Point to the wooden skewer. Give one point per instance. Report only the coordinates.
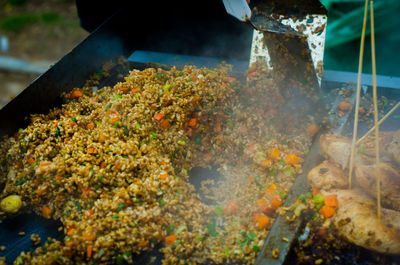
(374, 94)
(360, 62)
(379, 123)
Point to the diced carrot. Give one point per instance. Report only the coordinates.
(163, 176)
(114, 118)
(192, 122)
(344, 105)
(72, 123)
(276, 201)
(312, 129)
(85, 192)
(90, 126)
(91, 211)
(76, 94)
(195, 99)
(69, 243)
(327, 211)
(165, 124)
(47, 211)
(361, 111)
(292, 159)
(252, 148)
(31, 161)
(223, 85)
(266, 163)
(89, 236)
(269, 191)
(231, 208)
(159, 116)
(123, 89)
(274, 153)
(90, 150)
(70, 231)
(170, 240)
(252, 180)
(331, 201)
(262, 222)
(89, 250)
(261, 202)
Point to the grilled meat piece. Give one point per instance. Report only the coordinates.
(390, 182)
(336, 148)
(326, 176)
(356, 220)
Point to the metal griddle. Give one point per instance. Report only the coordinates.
(108, 43)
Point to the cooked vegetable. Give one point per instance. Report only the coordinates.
(47, 211)
(11, 204)
(292, 159)
(274, 153)
(76, 94)
(331, 201)
(159, 116)
(262, 222)
(327, 211)
(170, 240)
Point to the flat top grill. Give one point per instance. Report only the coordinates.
(110, 42)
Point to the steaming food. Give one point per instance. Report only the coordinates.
(356, 219)
(390, 182)
(357, 222)
(327, 175)
(112, 166)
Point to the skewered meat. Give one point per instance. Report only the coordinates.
(356, 220)
(336, 148)
(390, 182)
(326, 176)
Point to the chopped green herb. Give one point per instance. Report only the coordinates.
(137, 126)
(230, 124)
(212, 230)
(154, 135)
(117, 97)
(318, 199)
(108, 106)
(177, 242)
(115, 216)
(133, 224)
(120, 206)
(74, 119)
(21, 181)
(162, 202)
(171, 228)
(197, 140)
(218, 210)
(166, 87)
(255, 247)
(78, 206)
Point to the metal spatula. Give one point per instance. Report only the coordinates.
(262, 21)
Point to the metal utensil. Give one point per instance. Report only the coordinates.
(262, 21)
